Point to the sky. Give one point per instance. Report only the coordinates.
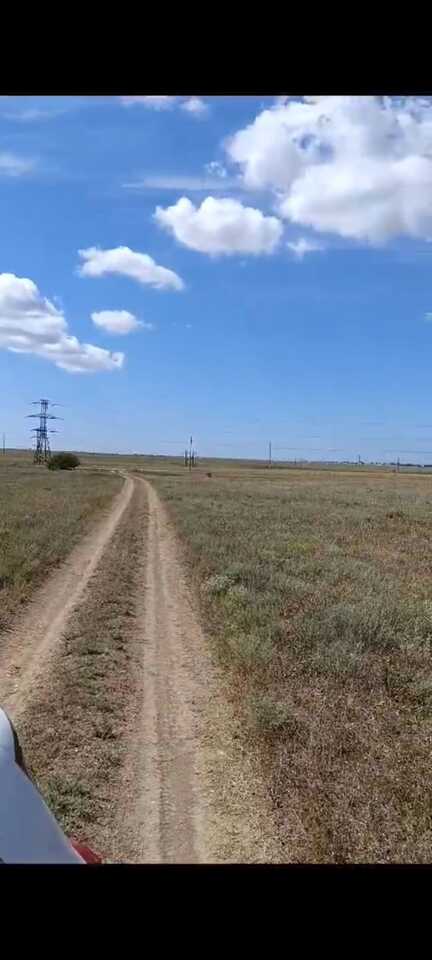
(241, 269)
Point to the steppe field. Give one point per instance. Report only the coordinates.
(231, 663)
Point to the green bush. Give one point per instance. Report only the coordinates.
(63, 461)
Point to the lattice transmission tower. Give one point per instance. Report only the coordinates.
(190, 456)
(42, 450)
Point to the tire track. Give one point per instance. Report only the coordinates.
(26, 648)
(168, 796)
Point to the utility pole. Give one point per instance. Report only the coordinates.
(190, 456)
(42, 450)
(4, 444)
(270, 454)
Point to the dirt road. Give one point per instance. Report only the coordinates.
(171, 784)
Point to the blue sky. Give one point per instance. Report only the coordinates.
(288, 290)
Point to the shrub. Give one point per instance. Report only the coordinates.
(270, 715)
(63, 461)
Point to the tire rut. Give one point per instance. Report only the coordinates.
(167, 823)
(27, 646)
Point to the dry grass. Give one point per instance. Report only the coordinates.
(317, 590)
(42, 515)
(74, 731)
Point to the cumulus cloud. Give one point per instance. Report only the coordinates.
(220, 226)
(302, 246)
(195, 106)
(119, 321)
(128, 263)
(360, 167)
(29, 323)
(152, 103)
(12, 165)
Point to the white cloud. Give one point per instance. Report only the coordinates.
(29, 323)
(360, 167)
(119, 321)
(128, 263)
(32, 114)
(220, 226)
(152, 103)
(214, 168)
(195, 106)
(428, 317)
(302, 246)
(183, 182)
(12, 165)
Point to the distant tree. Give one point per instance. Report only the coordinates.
(63, 461)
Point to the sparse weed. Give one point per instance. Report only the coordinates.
(42, 516)
(271, 716)
(317, 590)
(73, 728)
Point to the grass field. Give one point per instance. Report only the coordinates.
(42, 515)
(73, 730)
(316, 587)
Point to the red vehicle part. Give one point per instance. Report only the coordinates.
(29, 833)
(86, 853)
